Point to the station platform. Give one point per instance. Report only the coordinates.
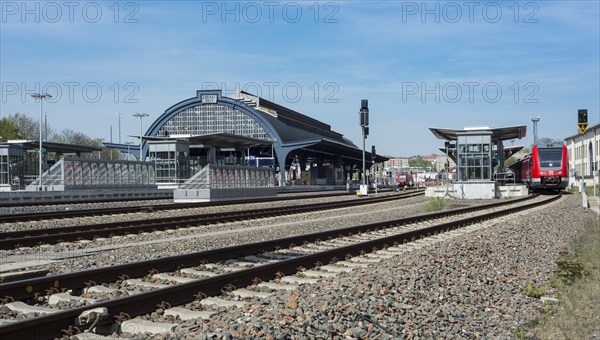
(96, 195)
(220, 195)
(500, 191)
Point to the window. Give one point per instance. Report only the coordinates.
(212, 118)
(550, 157)
(474, 158)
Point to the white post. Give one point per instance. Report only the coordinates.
(141, 117)
(41, 97)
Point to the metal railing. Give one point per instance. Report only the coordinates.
(215, 176)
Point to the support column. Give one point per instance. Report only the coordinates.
(500, 151)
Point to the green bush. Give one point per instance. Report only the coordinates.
(570, 270)
(436, 204)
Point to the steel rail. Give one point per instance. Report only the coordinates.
(32, 237)
(49, 326)
(25, 289)
(146, 208)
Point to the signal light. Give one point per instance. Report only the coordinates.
(373, 154)
(364, 112)
(582, 117)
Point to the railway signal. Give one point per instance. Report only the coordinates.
(364, 124)
(582, 120)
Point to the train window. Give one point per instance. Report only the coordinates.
(550, 157)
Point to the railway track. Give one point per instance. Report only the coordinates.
(248, 265)
(12, 218)
(33, 237)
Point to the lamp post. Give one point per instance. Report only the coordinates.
(41, 97)
(141, 117)
(119, 115)
(46, 125)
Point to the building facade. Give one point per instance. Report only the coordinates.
(303, 149)
(584, 155)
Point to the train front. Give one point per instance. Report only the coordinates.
(550, 169)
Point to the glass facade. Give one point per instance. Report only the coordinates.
(474, 158)
(170, 160)
(207, 119)
(11, 166)
(95, 173)
(215, 176)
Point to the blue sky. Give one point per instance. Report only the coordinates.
(420, 64)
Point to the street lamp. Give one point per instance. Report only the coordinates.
(141, 117)
(41, 97)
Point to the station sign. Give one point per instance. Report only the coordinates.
(209, 99)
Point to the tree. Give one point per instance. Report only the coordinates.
(548, 140)
(27, 127)
(419, 162)
(8, 130)
(73, 137)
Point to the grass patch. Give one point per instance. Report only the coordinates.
(589, 190)
(533, 292)
(577, 283)
(436, 204)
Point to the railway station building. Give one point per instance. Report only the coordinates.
(584, 156)
(247, 130)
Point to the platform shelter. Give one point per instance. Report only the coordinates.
(477, 151)
(90, 173)
(19, 160)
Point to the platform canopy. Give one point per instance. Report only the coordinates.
(498, 134)
(55, 147)
(222, 140)
(508, 151)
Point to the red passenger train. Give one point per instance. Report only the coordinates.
(546, 168)
(405, 179)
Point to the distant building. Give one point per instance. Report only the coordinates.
(398, 163)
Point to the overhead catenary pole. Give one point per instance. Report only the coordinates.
(535, 121)
(119, 115)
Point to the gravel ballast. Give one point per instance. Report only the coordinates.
(464, 288)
